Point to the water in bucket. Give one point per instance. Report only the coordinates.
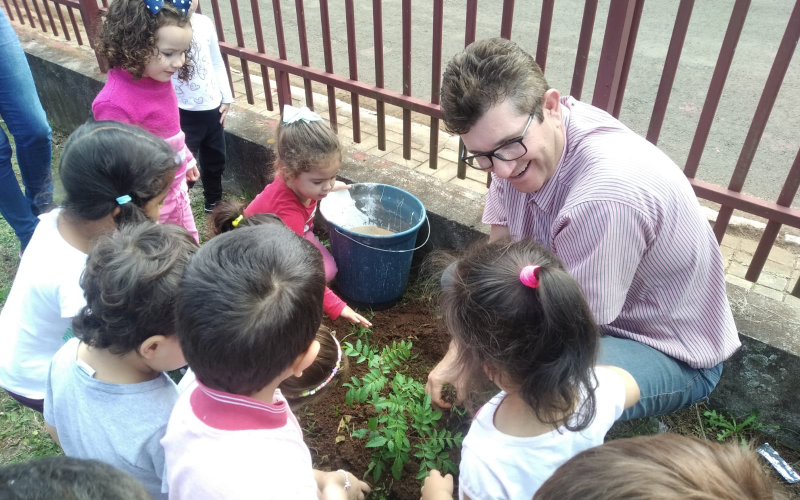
(373, 232)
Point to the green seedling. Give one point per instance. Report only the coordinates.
(727, 426)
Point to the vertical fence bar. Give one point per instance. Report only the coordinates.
(28, 12)
(75, 27)
(326, 48)
(19, 12)
(254, 6)
(584, 44)
(8, 10)
(773, 85)
(718, 78)
(50, 17)
(508, 19)
(90, 15)
(221, 37)
(407, 77)
(436, 79)
(773, 228)
(670, 69)
(543, 43)
(626, 65)
(301, 32)
(237, 27)
(39, 15)
(469, 37)
(281, 77)
(63, 22)
(353, 63)
(377, 28)
(612, 55)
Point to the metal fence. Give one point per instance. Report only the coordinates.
(617, 51)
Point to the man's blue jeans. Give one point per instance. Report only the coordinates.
(665, 383)
(23, 114)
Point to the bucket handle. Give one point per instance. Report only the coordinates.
(387, 250)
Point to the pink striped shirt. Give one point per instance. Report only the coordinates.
(626, 223)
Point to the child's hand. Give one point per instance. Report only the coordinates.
(334, 486)
(192, 174)
(339, 185)
(353, 317)
(437, 487)
(223, 112)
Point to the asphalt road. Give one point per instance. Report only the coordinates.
(758, 44)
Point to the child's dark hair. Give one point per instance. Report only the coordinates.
(127, 38)
(662, 467)
(249, 303)
(130, 283)
(229, 215)
(302, 146)
(309, 387)
(542, 340)
(104, 160)
(70, 479)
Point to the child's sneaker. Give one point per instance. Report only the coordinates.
(209, 207)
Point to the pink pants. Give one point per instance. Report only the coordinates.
(177, 208)
(327, 258)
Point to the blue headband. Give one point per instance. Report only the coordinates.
(154, 6)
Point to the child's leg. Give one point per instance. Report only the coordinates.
(327, 258)
(177, 209)
(194, 128)
(212, 154)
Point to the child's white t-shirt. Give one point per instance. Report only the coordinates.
(37, 318)
(498, 466)
(209, 87)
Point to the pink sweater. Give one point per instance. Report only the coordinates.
(149, 104)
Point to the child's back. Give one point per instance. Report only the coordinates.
(107, 396)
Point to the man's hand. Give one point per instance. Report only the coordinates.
(445, 373)
(437, 487)
(353, 317)
(223, 112)
(192, 174)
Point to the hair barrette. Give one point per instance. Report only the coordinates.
(123, 199)
(237, 220)
(155, 6)
(292, 114)
(529, 276)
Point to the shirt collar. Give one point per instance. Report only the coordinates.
(233, 412)
(545, 197)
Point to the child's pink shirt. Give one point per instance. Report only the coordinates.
(146, 103)
(279, 199)
(223, 445)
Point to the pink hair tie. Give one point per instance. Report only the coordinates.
(529, 276)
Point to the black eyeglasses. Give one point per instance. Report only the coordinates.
(508, 151)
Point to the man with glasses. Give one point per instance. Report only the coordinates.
(616, 210)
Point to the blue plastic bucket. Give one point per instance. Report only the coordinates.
(373, 269)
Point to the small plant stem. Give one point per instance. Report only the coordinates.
(702, 430)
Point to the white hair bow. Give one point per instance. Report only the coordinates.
(292, 114)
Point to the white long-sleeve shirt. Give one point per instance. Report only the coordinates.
(209, 87)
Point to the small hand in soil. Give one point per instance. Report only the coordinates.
(437, 487)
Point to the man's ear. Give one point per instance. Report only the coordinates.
(551, 103)
(305, 359)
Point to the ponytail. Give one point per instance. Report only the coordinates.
(229, 215)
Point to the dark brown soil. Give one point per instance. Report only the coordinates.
(330, 419)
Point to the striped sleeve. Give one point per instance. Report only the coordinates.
(494, 212)
(601, 244)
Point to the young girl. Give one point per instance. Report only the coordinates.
(517, 317)
(112, 174)
(204, 101)
(108, 397)
(145, 44)
(309, 157)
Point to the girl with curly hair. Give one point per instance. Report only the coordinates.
(145, 43)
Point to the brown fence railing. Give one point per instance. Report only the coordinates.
(619, 39)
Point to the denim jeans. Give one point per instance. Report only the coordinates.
(23, 114)
(666, 384)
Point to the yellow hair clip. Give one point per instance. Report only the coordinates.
(237, 220)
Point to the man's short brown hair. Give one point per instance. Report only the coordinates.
(662, 467)
(486, 73)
